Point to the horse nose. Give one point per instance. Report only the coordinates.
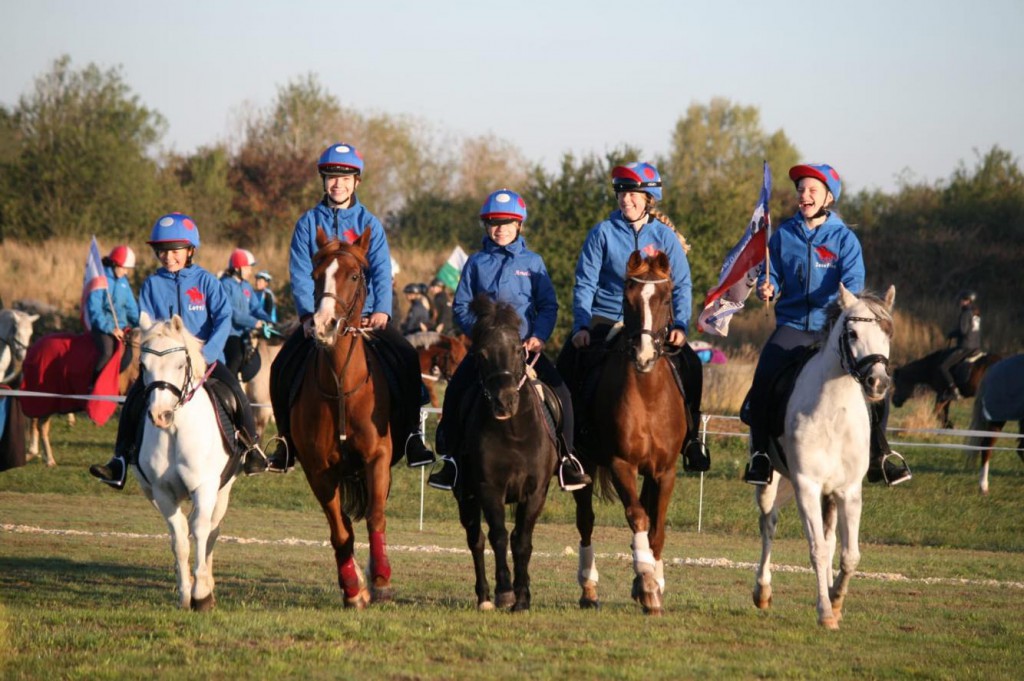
(877, 386)
(162, 419)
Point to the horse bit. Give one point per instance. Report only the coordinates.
(854, 367)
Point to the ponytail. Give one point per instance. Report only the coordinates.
(655, 213)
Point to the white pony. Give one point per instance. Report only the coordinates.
(15, 335)
(182, 456)
(826, 444)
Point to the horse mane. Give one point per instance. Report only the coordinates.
(874, 302)
(424, 339)
(491, 314)
(331, 250)
(193, 346)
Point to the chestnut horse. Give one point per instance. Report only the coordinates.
(925, 371)
(637, 424)
(340, 419)
(439, 356)
(508, 455)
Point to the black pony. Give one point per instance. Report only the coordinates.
(925, 371)
(508, 455)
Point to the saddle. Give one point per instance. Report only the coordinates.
(961, 371)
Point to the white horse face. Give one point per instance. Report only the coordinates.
(865, 337)
(167, 371)
(16, 331)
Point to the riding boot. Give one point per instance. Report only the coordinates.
(115, 471)
(281, 460)
(254, 460)
(446, 477)
(571, 475)
(885, 465)
(416, 452)
(759, 470)
(696, 455)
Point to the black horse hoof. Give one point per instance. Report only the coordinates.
(590, 604)
(505, 599)
(203, 604)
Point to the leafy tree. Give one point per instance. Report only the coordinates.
(201, 181)
(78, 159)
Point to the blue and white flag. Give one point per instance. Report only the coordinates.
(94, 280)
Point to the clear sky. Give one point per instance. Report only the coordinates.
(876, 88)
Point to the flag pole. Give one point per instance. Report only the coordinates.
(768, 236)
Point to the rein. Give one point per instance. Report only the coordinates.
(851, 365)
(339, 396)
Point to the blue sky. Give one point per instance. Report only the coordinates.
(874, 88)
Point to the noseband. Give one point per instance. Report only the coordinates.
(859, 369)
(13, 343)
(187, 390)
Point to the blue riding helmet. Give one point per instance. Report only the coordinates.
(263, 274)
(821, 172)
(637, 177)
(174, 230)
(415, 288)
(340, 159)
(504, 204)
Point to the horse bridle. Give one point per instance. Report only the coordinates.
(187, 390)
(484, 380)
(351, 304)
(658, 337)
(13, 343)
(859, 369)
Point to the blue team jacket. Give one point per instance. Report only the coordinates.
(198, 297)
(98, 305)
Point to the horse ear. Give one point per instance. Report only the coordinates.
(363, 242)
(635, 262)
(890, 297)
(660, 263)
(846, 299)
(321, 237)
(177, 324)
(145, 321)
(33, 318)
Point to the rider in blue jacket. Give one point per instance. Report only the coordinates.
(341, 216)
(246, 312)
(810, 254)
(111, 310)
(507, 271)
(187, 290)
(637, 225)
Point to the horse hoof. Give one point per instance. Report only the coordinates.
(521, 608)
(505, 599)
(654, 612)
(359, 601)
(589, 603)
(203, 604)
(829, 623)
(51, 464)
(382, 594)
(485, 606)
(762, 597)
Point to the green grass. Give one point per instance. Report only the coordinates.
(940, 596)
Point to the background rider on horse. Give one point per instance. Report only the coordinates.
(967, 334)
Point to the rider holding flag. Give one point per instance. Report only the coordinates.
(810, 254)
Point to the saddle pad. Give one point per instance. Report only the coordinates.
(229, 422)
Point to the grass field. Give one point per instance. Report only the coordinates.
(87, 587)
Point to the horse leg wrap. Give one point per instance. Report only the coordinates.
(659, 574)
(643, 557)
(379, 556)
(348, 578)
(588, 568)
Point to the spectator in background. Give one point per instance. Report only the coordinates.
(246, 312)
(111, 310)
(265, 296)
(417, 319)
(441, 307)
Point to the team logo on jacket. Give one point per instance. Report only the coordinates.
(350, 235)
(826, 258)
(649, 250)
(196, 300)
(522, 273)
(247, 293)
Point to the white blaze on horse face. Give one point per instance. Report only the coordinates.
(323, 318)
(646, 355)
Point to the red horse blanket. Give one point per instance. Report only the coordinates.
(63, 363)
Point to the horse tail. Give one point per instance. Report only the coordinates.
(603, 486)
(355, 498)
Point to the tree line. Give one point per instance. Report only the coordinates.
(79, 155)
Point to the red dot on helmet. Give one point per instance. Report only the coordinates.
(833, 173)
(188, 224)
(522, 204)
(359, 154)
(649, 173)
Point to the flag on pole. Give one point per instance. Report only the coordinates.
(451, 270)
(741, 268)
(94, 280)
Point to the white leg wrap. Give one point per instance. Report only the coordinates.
(643, 557)
(659, 574)
(588, 568)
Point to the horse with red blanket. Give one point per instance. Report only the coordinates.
(63, 364)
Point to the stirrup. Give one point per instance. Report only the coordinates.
(436, 479)
(577, 467)
(901, 473)
(426, 455)
(760, 481)
(106, 474)
(254, 461)
(699, 461)
(274, 464)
